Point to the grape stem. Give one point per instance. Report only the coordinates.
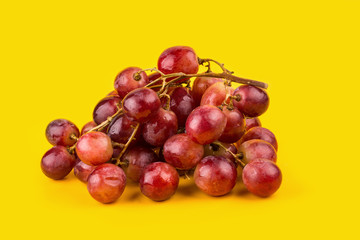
(132, 137)
(208, 60)
(72, 149)
(74, 137)
(223, 75)
(237, 159)
(106, 122)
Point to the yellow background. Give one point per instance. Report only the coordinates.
(59, 58)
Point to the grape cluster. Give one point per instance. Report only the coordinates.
(154, 128)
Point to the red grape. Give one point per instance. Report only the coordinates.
(257, 148)
(107, 107)
(200, 85)
(106, 183)
(159, 181)
(260, 133)
(121, 128)
(82, 170)
(160, 127)
(182, 104)
(59, 132)
(235, 126)
(57, 162)
(178, 59)
(253, 101)
(94, 148)
(262, 177)
(125, 82)
(215, 95)
(138, 158)
(215, 175)
(252, 122)
(205, 124)
(141, 104)
(181, 152)
(87, 127)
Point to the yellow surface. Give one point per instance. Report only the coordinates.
(59, 58)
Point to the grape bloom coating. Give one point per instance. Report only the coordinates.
(160, 126)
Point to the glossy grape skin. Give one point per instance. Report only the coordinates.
(138, 158)
(94, 148)
(87, 127)
(200, 85)
(107, 107)
(160, 127)
(59, 131)
(181, 152)
(260, 133)
(125, 82)
(121, 128)
(215, 95)
(262, 177)
(182, 104)
(252, 122)
(257, 148)
(106, 183)
(215, 175)
(141, 104)
(205, 124)
(178, 59)
(235, 126)
(57, 162)
(159, 181)
(82, 171)
(254, 101)
(215, 150)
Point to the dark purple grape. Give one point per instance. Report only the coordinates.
(160, 127)
(159, 181)
(94, 148)
(107, 107)
(262, 177)
(106, 183)
(57, 162)
(121, 128)
(182, 104)
(138, 158)
(181, 152)
(60, 131)
(215, 175)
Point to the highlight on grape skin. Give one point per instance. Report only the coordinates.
(179, 119)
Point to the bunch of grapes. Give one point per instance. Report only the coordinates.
(154, 128)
